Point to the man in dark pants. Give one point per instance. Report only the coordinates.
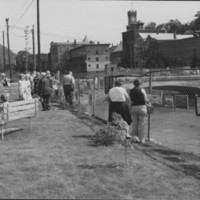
(68, 86)
(45, 91)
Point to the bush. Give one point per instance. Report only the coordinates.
(109, 135)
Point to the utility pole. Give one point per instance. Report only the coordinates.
(38, 34)
(8, 48)
(26, 49)
(33, 39)
(4, 59)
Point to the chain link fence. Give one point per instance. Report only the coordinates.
(173, 123)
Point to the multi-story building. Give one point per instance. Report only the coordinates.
(151, 48)
(174, 53)
(88, 58)
(116, 55)
(59, 53)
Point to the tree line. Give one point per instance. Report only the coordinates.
(174, 25)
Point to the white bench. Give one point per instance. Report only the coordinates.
(18, 110)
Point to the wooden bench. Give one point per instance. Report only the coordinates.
(18, 110)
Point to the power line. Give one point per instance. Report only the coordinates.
(59, 36)
(17, 27)
(15, 34)
(19, 10)
(24, 12)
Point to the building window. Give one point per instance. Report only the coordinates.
(97, 59)
(106, 58)
(89, 65)
(97, 52)
(88, 58)
(97, 66)
(88, 51)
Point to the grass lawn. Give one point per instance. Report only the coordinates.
(57, 159)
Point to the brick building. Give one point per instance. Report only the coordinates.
(89, 58)
(59, 53)
(131, 41)
(178, 52)
(116, 55)
(150, 48)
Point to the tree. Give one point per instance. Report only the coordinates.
(196, 22)
(174, 25)
(151, 25)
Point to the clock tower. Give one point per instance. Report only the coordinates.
(129, 40)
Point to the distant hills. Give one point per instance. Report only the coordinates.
(12, 57)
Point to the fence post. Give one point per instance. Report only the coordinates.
(149, 115)
(93, 97)
(79, 99)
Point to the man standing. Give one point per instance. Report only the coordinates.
(36, 81)
(68, 86)
(44, 91)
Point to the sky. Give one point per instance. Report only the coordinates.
(102, 21)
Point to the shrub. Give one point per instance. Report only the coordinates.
(108, 135)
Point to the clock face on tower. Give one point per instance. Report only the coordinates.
(133, 19)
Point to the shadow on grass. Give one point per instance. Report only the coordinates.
(108, 166)
(191, 170)
(174, 159)
(83, 136)
(12, 130)
(166, 151)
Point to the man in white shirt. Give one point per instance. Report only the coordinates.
(68, 86)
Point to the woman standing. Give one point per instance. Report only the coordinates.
(138, 111)
(22, 87)
(28, 87)
(118, 102)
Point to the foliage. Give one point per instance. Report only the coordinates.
(174, 25)
(151, 25)
(108, 135)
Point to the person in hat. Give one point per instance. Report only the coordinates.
(68, 86)
(28, 86)
(5, 81)
(44, 90)
(36, 81)
(22, 87)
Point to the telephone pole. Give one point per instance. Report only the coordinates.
(38, 34)
(26, 49)
(4, 59)
(8, 47)
(33, 39)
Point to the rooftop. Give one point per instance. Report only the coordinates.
(164, 36)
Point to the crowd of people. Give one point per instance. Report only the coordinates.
(132, 107)
(39, 85)
(44, 85)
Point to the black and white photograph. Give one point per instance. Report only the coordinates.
(77, 81)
